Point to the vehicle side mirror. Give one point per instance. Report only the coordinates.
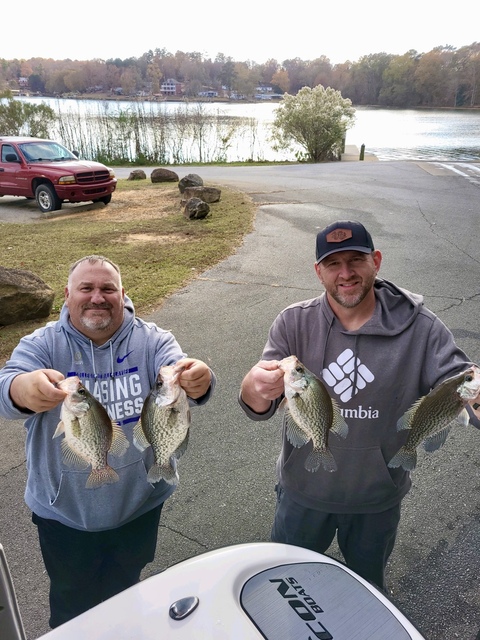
(75, 153)
(12, 157)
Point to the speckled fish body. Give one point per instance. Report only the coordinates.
(431, 418)
(90, 434)
(310, 414)
(164, 425)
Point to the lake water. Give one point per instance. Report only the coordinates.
(390, 134)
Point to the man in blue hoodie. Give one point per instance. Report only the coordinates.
(94, 542)
(377, 349)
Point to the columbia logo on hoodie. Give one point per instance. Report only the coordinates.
(340, 375)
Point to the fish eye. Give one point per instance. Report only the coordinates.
(82, 391)
(299, 369)
(468, 378)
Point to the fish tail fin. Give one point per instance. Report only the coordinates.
(165, 472)
(318, 457)
(404, 458)
(98, 477)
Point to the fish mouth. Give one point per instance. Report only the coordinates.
(287, 363)
(470, 386)
(70, 382)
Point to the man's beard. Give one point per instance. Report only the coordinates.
(350, 301)
(96, 323)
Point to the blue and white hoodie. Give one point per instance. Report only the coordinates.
(120, 374)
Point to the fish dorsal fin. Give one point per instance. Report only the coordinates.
(295, 435)
(339, 426)
(72, 458)
(139, 437)
(120, 443)
(405, 422)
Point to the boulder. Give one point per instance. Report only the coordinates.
(190, 180)
(23, 296)
(196, 209)
(137, 174)
(163, 175)
(207, 194)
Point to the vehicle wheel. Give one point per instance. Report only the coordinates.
(47, 199)
(106, 200)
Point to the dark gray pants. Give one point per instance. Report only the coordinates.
(366, 540)
(86, 567)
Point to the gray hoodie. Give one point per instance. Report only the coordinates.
(375, 373)
(120, 374)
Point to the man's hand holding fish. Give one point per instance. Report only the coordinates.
(263, 384)
(475, 405)
(195, 378)
(36, 390)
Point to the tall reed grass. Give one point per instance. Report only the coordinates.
(147, 133)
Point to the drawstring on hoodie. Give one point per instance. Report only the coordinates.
(92, 353)
(355, 368)
(355, 358)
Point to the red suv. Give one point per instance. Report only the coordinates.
(47, 171)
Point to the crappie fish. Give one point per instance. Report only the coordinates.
(90, 434)
(164, 424)
(431, 418)
(310, 414)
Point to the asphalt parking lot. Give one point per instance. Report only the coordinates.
(427, 228)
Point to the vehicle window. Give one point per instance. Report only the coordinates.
(40, 151)
(7, 148)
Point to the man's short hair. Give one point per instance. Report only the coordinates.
(92, 259)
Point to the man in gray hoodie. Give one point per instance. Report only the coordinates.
(94, 542)
(377, 349)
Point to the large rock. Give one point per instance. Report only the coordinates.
(190, 180)
(163, 175)
(23, 296)
(196, 209)
(137, 174)
(207, 194)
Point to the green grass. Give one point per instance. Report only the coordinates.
(143, 230)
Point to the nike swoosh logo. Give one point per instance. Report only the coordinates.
(120, 360)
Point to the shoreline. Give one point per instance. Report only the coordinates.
(101, 97)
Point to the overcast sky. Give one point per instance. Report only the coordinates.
(255, 30)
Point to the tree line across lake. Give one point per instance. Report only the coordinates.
(443, 77)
